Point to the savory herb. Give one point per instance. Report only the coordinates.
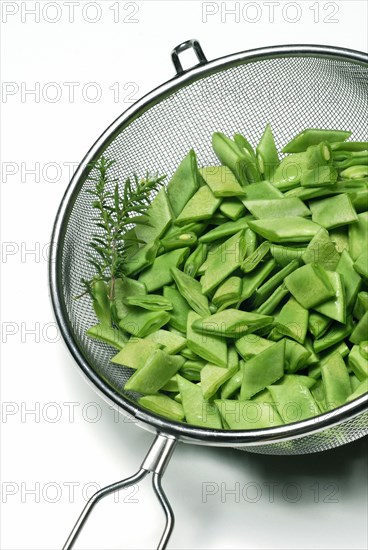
(117, 207)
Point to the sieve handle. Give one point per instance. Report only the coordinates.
(195, 45)
(155, 462)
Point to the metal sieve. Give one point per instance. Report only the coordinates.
(291, 87)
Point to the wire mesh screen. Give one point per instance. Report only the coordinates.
(290, 93)
(352, 429)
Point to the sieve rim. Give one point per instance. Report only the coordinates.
(149, 420)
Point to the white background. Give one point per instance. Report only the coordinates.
(46, 452)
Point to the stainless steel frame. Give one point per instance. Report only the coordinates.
(168, 431)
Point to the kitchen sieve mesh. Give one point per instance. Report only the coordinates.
(290, 87)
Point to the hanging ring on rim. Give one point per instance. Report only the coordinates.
(156, 462)
(195, 45)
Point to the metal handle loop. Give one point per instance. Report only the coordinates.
(193, 43)
(155, 461)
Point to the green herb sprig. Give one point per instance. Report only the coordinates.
(116, 210)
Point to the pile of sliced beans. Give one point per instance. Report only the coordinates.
(245, 303)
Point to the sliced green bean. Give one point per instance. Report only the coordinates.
(361, 264)
(292, 321)
(125, 287)
(230, 155)
(358, 236)
(263, 370)
(288, 174)
(359, 200)
(314, 136)
(155, 373)
(195, 260)
(336, 381)
(318, 324)
(181, 308)
(223, 262)
(271, 303)
(310, 285)
(212, 378)
(248, 415)
(350, 279)
(231, 323)
(339, 237)
(321, 179)
(135, 353)
(289, 229)
(140, 322)
(159, 274)
(253, 280)
(251, 345)
(263, 292)
(109, 335)
(263, 190)
(191, 290)
(355, 172)
(361, 305)
(335, 307)
(346, 159)
(232, 358)
(222, 181)
(267, 156)
(233, 384)
(190, 355)
(254, 259)
(191, 370)
(318, 155)
(101, 302)
(163, 405)
(143, 258)
(294, 400)
(169, 341)
(251, 241)
(159, 218)
(296, 356)
(350, 146)
(322, 250)
(184, 183)
(360, 332)
(232, 208)
(209, 347)
(285, 254)
(333, 336)
(201, 206)
(152, 302)
(360, 390)
(226, 229)
(228, 292)
(358, 363)
(197, 410)
(183, 240)
(334, 211)
(277, 208)
(252, 171)
(363, 349)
